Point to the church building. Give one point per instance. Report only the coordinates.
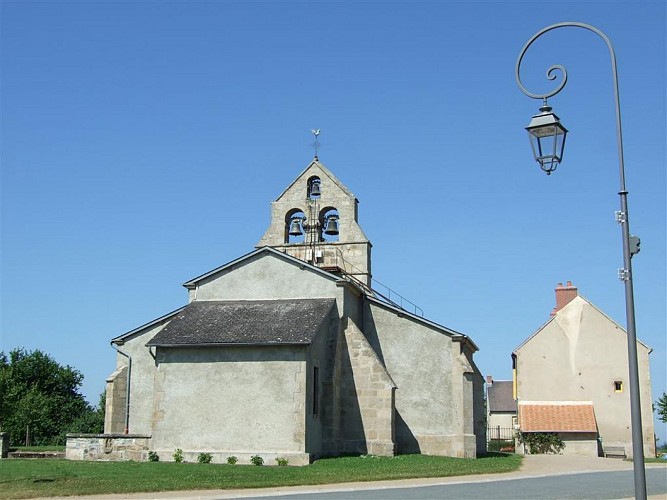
(289, 352)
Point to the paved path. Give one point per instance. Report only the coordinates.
(533, 466)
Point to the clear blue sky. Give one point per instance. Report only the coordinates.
(142, 143)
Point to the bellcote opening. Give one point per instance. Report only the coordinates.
(329, 222)
(314, 188)
(294, 232)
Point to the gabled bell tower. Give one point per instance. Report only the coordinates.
(315, 220)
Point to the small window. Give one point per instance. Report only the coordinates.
(316, 391)
(618, 386)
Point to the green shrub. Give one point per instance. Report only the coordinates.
(232, 460)
(153, 456)
(541, 442)
(256, 460)
(204, 458)
(282, 461)
(178, 455)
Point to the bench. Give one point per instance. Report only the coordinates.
(614, 451)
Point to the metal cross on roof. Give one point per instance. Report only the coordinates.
(316, 143)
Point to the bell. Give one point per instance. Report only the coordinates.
(295, 227)
(315, 189)
(332, 225)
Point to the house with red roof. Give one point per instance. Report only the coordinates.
(571, 378)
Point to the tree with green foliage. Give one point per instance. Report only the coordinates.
(40, 400)
(661, 407)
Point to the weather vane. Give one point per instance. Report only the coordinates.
(316, 144)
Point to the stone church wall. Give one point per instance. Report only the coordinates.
(365, 419)
(429, 403)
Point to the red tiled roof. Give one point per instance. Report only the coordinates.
(557, 416)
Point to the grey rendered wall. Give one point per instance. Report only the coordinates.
(577, 357)
(265, 277)
(321, 355)
(429, 395)
(502, 420)
(141, 385)
(231, 400)
(479, 411)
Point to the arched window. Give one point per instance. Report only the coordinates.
(294, 231)
(314, 188)
(329, 222)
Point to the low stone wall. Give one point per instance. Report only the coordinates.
(109, 447)
(4, 444)
(124, 447)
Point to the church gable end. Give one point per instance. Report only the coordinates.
(264, 274)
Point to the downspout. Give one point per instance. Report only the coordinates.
(127, 392)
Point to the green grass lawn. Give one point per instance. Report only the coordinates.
(51, 477)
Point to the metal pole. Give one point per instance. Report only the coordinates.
(625, 273)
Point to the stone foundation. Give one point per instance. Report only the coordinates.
(109, 447)
(126, 447)
(448, 446)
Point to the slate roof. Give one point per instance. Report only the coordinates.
(557, 416)
(500, 396)
(251, 322)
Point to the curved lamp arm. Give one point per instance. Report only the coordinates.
(552, 74)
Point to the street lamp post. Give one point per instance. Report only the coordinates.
(548, 140)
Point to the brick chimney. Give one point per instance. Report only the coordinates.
(489, 379)
(564, 295)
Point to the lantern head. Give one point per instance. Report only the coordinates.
(547, 138)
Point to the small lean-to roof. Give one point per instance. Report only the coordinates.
(128, 335)
(557, 416)
(500, 396)
(245, 322)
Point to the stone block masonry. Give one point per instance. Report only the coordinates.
(109, 447)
